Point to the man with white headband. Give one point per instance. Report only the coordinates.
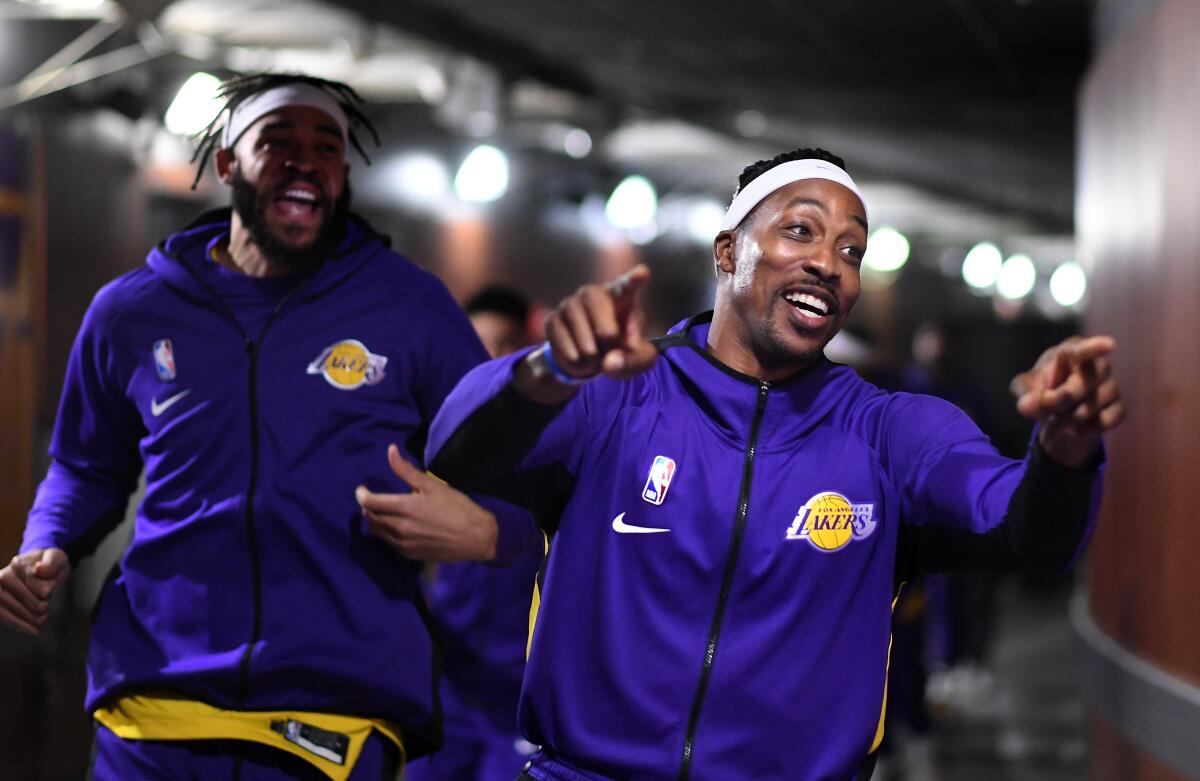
(732, 515)
(271, 367)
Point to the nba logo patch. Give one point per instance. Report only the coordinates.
(164, 360)
(659, 480)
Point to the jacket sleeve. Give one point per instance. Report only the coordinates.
(1048, 523)
(95, 461)
(518, 530)
(489, 438)
(446, 349)
(966, 506)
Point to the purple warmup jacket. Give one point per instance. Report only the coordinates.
(717, 600)
(257, 406)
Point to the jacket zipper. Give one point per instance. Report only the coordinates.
(252, 351)
(735, 547)
(251, 532)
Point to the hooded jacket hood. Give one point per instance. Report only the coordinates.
(178, 260)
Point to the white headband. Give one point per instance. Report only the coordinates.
(781, 176)
(255, 107)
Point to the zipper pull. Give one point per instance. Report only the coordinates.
(251, 346)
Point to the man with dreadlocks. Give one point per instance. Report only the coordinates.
(259, 365)
(731, 512)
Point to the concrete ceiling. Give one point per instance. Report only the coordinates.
(957, 114)
(969, 100)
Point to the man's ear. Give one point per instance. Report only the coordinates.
(225, 163)
(723, 246)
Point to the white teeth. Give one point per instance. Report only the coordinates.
(303, 195)
(813, 301)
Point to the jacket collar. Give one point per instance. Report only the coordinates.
(794, 406)
(171, 259)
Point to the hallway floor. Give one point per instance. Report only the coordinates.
(1021, 718)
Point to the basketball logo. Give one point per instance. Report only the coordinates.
(659, 480)
(828, 521)
(348, 364)
(164, 360)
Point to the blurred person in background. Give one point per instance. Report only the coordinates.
(733, 514)
(962, 605)
(500, 316)
(261, 624)
(481, 617)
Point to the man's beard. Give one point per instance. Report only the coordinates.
(772, 350)
(251, 207)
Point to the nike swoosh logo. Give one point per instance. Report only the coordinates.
(619, 525)
(159, 407)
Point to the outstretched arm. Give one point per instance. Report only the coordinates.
(1049, 514)
(529, 403)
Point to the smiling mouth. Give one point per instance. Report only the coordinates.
(809, 307)
(299, 197)
(298, 204)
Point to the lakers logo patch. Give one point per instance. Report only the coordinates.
(829, 521)
(348, 364)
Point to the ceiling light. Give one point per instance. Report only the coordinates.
(195, 105)
(981, 266)
(431, 84)
(632, 204)
(483, 175)
(704, 220)
(577, 143)
(887, 250)
(418, 180)
(751, 123)
(1017, 277)
(1068, 283)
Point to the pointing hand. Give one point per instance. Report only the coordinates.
(1072, 391)
(597, 330)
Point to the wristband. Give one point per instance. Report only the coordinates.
(555, 370)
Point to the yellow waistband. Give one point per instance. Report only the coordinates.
(330, 742)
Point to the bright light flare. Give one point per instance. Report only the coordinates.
(417, 179)
(633, 203)
(1017, 277)
(1068, 284)
(981, 266)
(195, 105)
(887, 250)
(704, 219)
(483, 175)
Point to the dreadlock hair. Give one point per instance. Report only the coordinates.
(239, 88)
(755, 170)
